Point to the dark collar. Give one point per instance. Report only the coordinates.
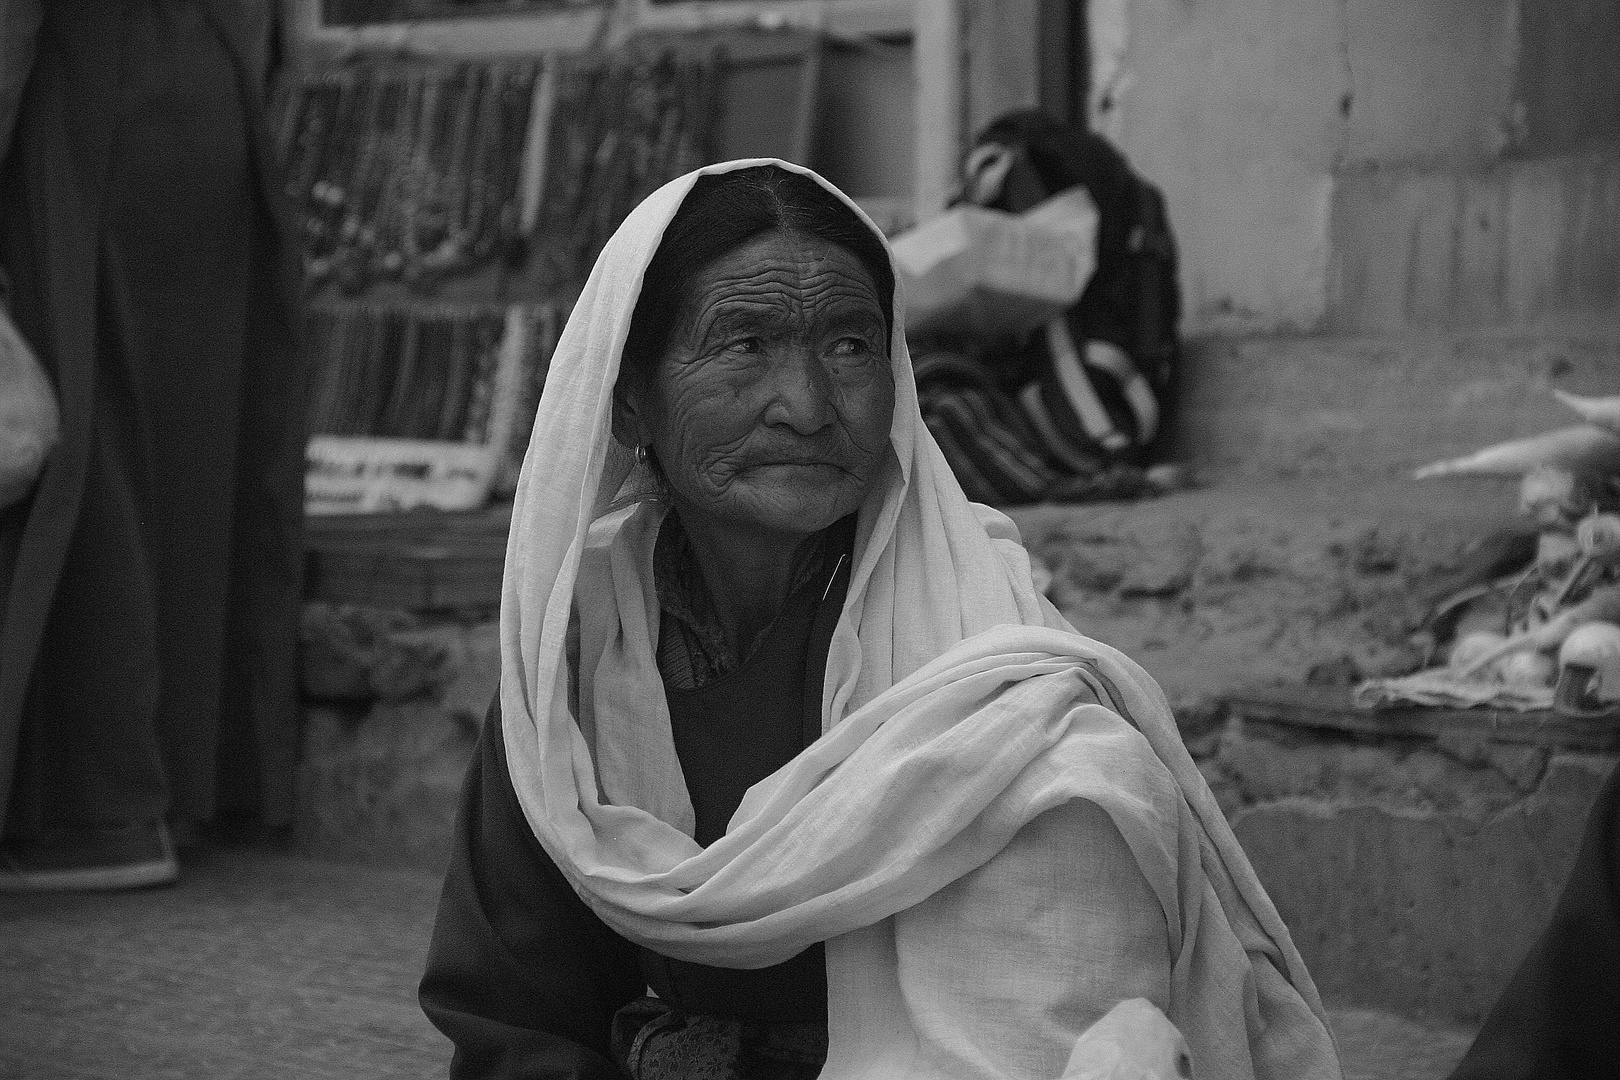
(691, 648)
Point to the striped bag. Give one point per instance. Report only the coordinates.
(1008, 449)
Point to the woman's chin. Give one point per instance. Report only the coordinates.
(793, 512)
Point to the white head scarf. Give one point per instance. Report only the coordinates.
(958, 706)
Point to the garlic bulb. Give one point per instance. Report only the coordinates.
(1556, 552)
(1526, 669)
(1473, 647)
(1554, 497)
(1599, 536)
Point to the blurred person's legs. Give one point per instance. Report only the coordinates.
(179, 214)
(90, 795)
(181, 580)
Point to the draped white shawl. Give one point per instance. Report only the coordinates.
(958, 707)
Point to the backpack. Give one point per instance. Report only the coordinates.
(1094, 384)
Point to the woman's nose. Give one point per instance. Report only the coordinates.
(802, 396)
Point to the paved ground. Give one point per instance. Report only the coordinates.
(261, 965)
(257, 965)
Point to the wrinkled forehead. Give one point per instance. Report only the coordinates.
(793, 274)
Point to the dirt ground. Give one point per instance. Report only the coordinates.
(1258, 584)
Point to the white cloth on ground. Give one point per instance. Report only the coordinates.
(958, 709)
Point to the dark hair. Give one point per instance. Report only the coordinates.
(723, 212)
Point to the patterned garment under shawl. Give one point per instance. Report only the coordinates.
(652, 1041)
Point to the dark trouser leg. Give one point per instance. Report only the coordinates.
(88, 754)
(179, 229)
(258, 749)
(259, 734)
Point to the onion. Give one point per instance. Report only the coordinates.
(1552, 496)
(1556, 552)
(1473, 647)
(1526, 669)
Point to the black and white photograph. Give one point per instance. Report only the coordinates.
(809, 539)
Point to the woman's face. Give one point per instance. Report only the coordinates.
(769, 411)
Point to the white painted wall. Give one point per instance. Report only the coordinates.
(1243, 111)
(1232, 108)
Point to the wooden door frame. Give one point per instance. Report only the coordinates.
(1064, 61)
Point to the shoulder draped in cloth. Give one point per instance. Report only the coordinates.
(958, 707)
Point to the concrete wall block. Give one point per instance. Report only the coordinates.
(1430, 80)
(1356, 409)
(1388, 219)
(1516, 243)
(1001, 57)
(1425, 913)
(1591, 229)
(1245, 112)
(1479, 282)
(1534, 268)
(1233, 108)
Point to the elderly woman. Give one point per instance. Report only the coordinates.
(794, 772)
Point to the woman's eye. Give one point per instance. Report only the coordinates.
(746, 345)
(850, 346)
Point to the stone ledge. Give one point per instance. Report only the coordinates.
(421, 560)
(1421, 911)
(1414, 867)
(381, 788)
(1329, 709)
(381, 770)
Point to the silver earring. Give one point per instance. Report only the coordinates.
(641, 454)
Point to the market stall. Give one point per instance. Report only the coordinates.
(451, 207)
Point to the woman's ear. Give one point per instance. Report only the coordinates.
(629, 424)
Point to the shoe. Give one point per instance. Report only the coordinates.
(129, 857)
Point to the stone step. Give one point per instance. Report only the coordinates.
(1510, 242)
(1379, 1045)
(1413, 874)
(394, 703)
